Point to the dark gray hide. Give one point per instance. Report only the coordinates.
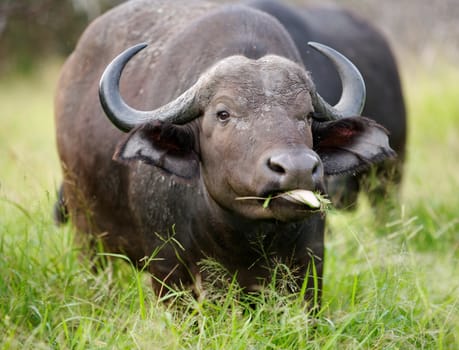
(182, 181)
(369, 51)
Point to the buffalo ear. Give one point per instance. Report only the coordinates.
(350, 145)
(164, 145)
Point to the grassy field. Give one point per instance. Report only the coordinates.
(391, 285)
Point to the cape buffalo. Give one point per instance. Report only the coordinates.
(369, 51)
(220, 113)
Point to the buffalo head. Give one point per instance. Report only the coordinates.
(251, 128)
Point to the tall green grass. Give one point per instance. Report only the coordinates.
(388, 283)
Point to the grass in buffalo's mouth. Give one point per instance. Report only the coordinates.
(267, 201)
(313, 200)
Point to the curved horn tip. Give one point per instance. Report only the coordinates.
(317, 45)
(325, 49)
(111, 101)
(352, 100)
(138, 47)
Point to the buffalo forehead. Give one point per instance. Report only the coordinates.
(269, 81)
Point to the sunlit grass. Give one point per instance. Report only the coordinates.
(388, 283)
(433, 105)
(28, 157)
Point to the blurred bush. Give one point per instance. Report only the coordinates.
(426, 31)
(31, 30)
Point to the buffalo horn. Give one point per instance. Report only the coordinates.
(183, 108)
(124, 117)
(352, 98)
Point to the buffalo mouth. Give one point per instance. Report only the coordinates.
(297, 199)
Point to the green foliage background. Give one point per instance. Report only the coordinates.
(33, 30)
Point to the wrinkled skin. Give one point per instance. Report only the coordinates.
(254, 136)
(370, 52)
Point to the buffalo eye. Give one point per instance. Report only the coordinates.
(223, 116)
(309, 117)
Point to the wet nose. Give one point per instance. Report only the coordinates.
(295, 169)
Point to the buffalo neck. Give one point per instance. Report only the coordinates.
(217, 231)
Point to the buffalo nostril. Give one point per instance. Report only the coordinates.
(276, 166)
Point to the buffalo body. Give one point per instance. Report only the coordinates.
(174, 191)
